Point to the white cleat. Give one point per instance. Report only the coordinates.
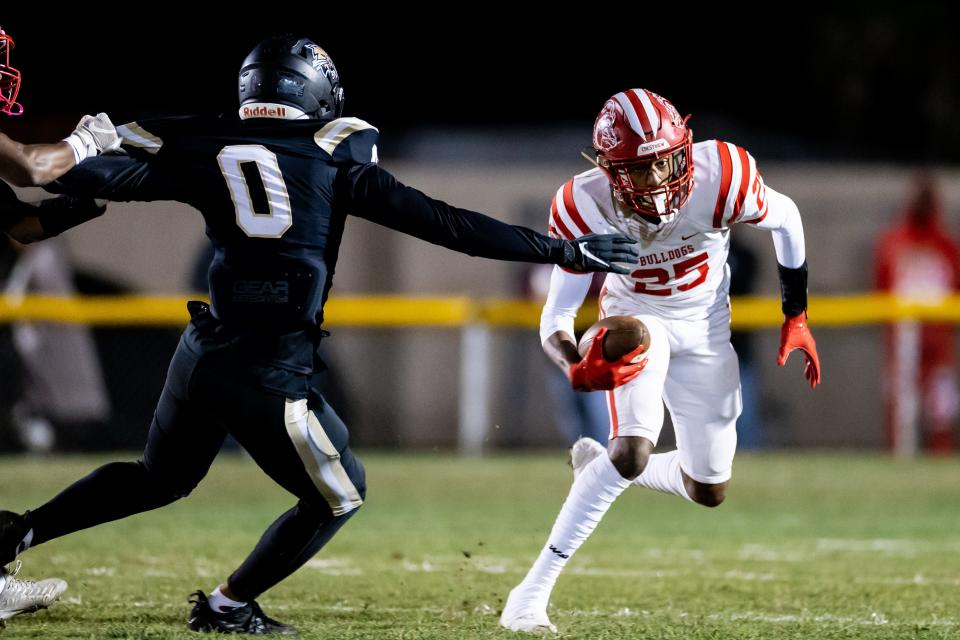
(583, 452)
(26, 596)
(526, 613)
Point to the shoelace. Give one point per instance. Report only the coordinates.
(252, 623)
(256, 622)
(267, 620)
(14, 590)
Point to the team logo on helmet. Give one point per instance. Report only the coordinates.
(318, 52)
(605, 135)
(321, 61)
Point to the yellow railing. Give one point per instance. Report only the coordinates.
(401, 311)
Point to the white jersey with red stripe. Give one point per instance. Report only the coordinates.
(681, 272)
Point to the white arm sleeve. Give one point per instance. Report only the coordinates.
(783, 219)
(567, 291)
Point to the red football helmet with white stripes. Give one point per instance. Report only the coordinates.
(637, 130)
(9, 79)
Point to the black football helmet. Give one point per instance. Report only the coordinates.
(289, 71)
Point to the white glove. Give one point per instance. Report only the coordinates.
(93, 135)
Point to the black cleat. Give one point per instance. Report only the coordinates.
(13, 529)
(249, 619)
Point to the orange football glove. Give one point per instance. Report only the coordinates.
(595, 373)
(795, 334)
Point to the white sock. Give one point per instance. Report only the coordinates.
(662, 473)
(221, 603)
(592, 493)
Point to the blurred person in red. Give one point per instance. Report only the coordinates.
(918, 261)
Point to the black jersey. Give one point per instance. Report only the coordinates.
(275, 195)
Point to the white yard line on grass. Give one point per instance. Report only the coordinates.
(159, 573)
(334, 567)
(497, 566)
(487, 609)
(873, 619)
(918, 580)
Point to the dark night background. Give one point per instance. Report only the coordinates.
(877, 82)
(863, 82)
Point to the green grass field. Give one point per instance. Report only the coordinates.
(806, 546)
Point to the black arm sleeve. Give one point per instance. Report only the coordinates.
(11, 214)
(372, 193)
(793, 289)
(59, 214)
(120, 178)
(11, 209)
(55, 215)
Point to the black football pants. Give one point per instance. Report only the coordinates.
(301, 444)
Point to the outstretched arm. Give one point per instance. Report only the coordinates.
(28, 165)
(374, 194)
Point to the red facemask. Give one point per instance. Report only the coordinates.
(9, 79)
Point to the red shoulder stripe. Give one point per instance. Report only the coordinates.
(744, 184)
(763, 214)
(571, 207)
(555, 217)
(726, 166)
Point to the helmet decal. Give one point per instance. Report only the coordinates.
(605, 135)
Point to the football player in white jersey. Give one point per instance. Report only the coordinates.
(679, 200)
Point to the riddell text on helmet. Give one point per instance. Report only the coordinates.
(262, 111)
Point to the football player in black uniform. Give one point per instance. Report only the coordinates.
(275, 189)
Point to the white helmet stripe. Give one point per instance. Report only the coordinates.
(653, 116)
(632, 116)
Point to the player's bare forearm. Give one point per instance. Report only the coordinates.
(561, 348)
(29, 165)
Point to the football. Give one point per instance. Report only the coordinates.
(624, 334)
